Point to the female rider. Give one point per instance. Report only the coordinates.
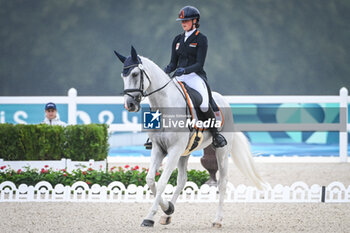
(189, 50)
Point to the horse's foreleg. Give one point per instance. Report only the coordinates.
(156, 159)
(222, 159)
(181, 178)
(181, 181)
(173, 158)
(150, 178)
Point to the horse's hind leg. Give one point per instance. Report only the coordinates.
(222, 158)
(181, 181)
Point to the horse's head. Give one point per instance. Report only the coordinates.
(136, 81)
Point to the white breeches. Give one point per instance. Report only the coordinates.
(197, 83)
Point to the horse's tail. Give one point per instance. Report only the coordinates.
(242, 157)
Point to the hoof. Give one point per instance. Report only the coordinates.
(165, 220)
(147, 223)
(217, 225)
(170, 209)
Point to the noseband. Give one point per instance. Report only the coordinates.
(141, 88)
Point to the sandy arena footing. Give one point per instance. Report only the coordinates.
(188, 217)
(191, 217)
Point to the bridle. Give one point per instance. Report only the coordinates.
(141, 88)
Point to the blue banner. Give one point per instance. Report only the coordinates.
(247, 113)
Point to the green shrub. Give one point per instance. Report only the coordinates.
(82, 142)
(45, 142)
(10, 145)
(41, 142)
(126, 175)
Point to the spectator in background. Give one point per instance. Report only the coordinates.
(51, 117)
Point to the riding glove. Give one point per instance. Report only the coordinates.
(167, 69)
(180, 71)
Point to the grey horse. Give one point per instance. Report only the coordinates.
(143, 78)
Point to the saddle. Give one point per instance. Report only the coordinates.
(194, 100)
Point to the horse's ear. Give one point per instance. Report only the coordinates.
(133, 54)
(121, 57)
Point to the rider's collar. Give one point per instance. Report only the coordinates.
(129, 64)
(189, 33)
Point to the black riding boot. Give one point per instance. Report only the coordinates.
(218, 139)
(148, 145)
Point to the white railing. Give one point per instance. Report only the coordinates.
(342, 99)
(117, 192)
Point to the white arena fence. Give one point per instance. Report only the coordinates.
(72, 100)
(298, 192)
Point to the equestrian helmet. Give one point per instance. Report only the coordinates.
(188, 12)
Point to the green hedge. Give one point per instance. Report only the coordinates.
(45, 142)
(127, 175)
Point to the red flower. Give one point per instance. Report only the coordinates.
(65, 174)
(90, 169)
(136, 167)
(90, 164)
(100, 166)
(113, 168)
(157, 174)
(127, 166)
(64, 170)
(88, 182)
(44, 171)
(84, 173)
(46, 166)
(3, 167)
(19, 171)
